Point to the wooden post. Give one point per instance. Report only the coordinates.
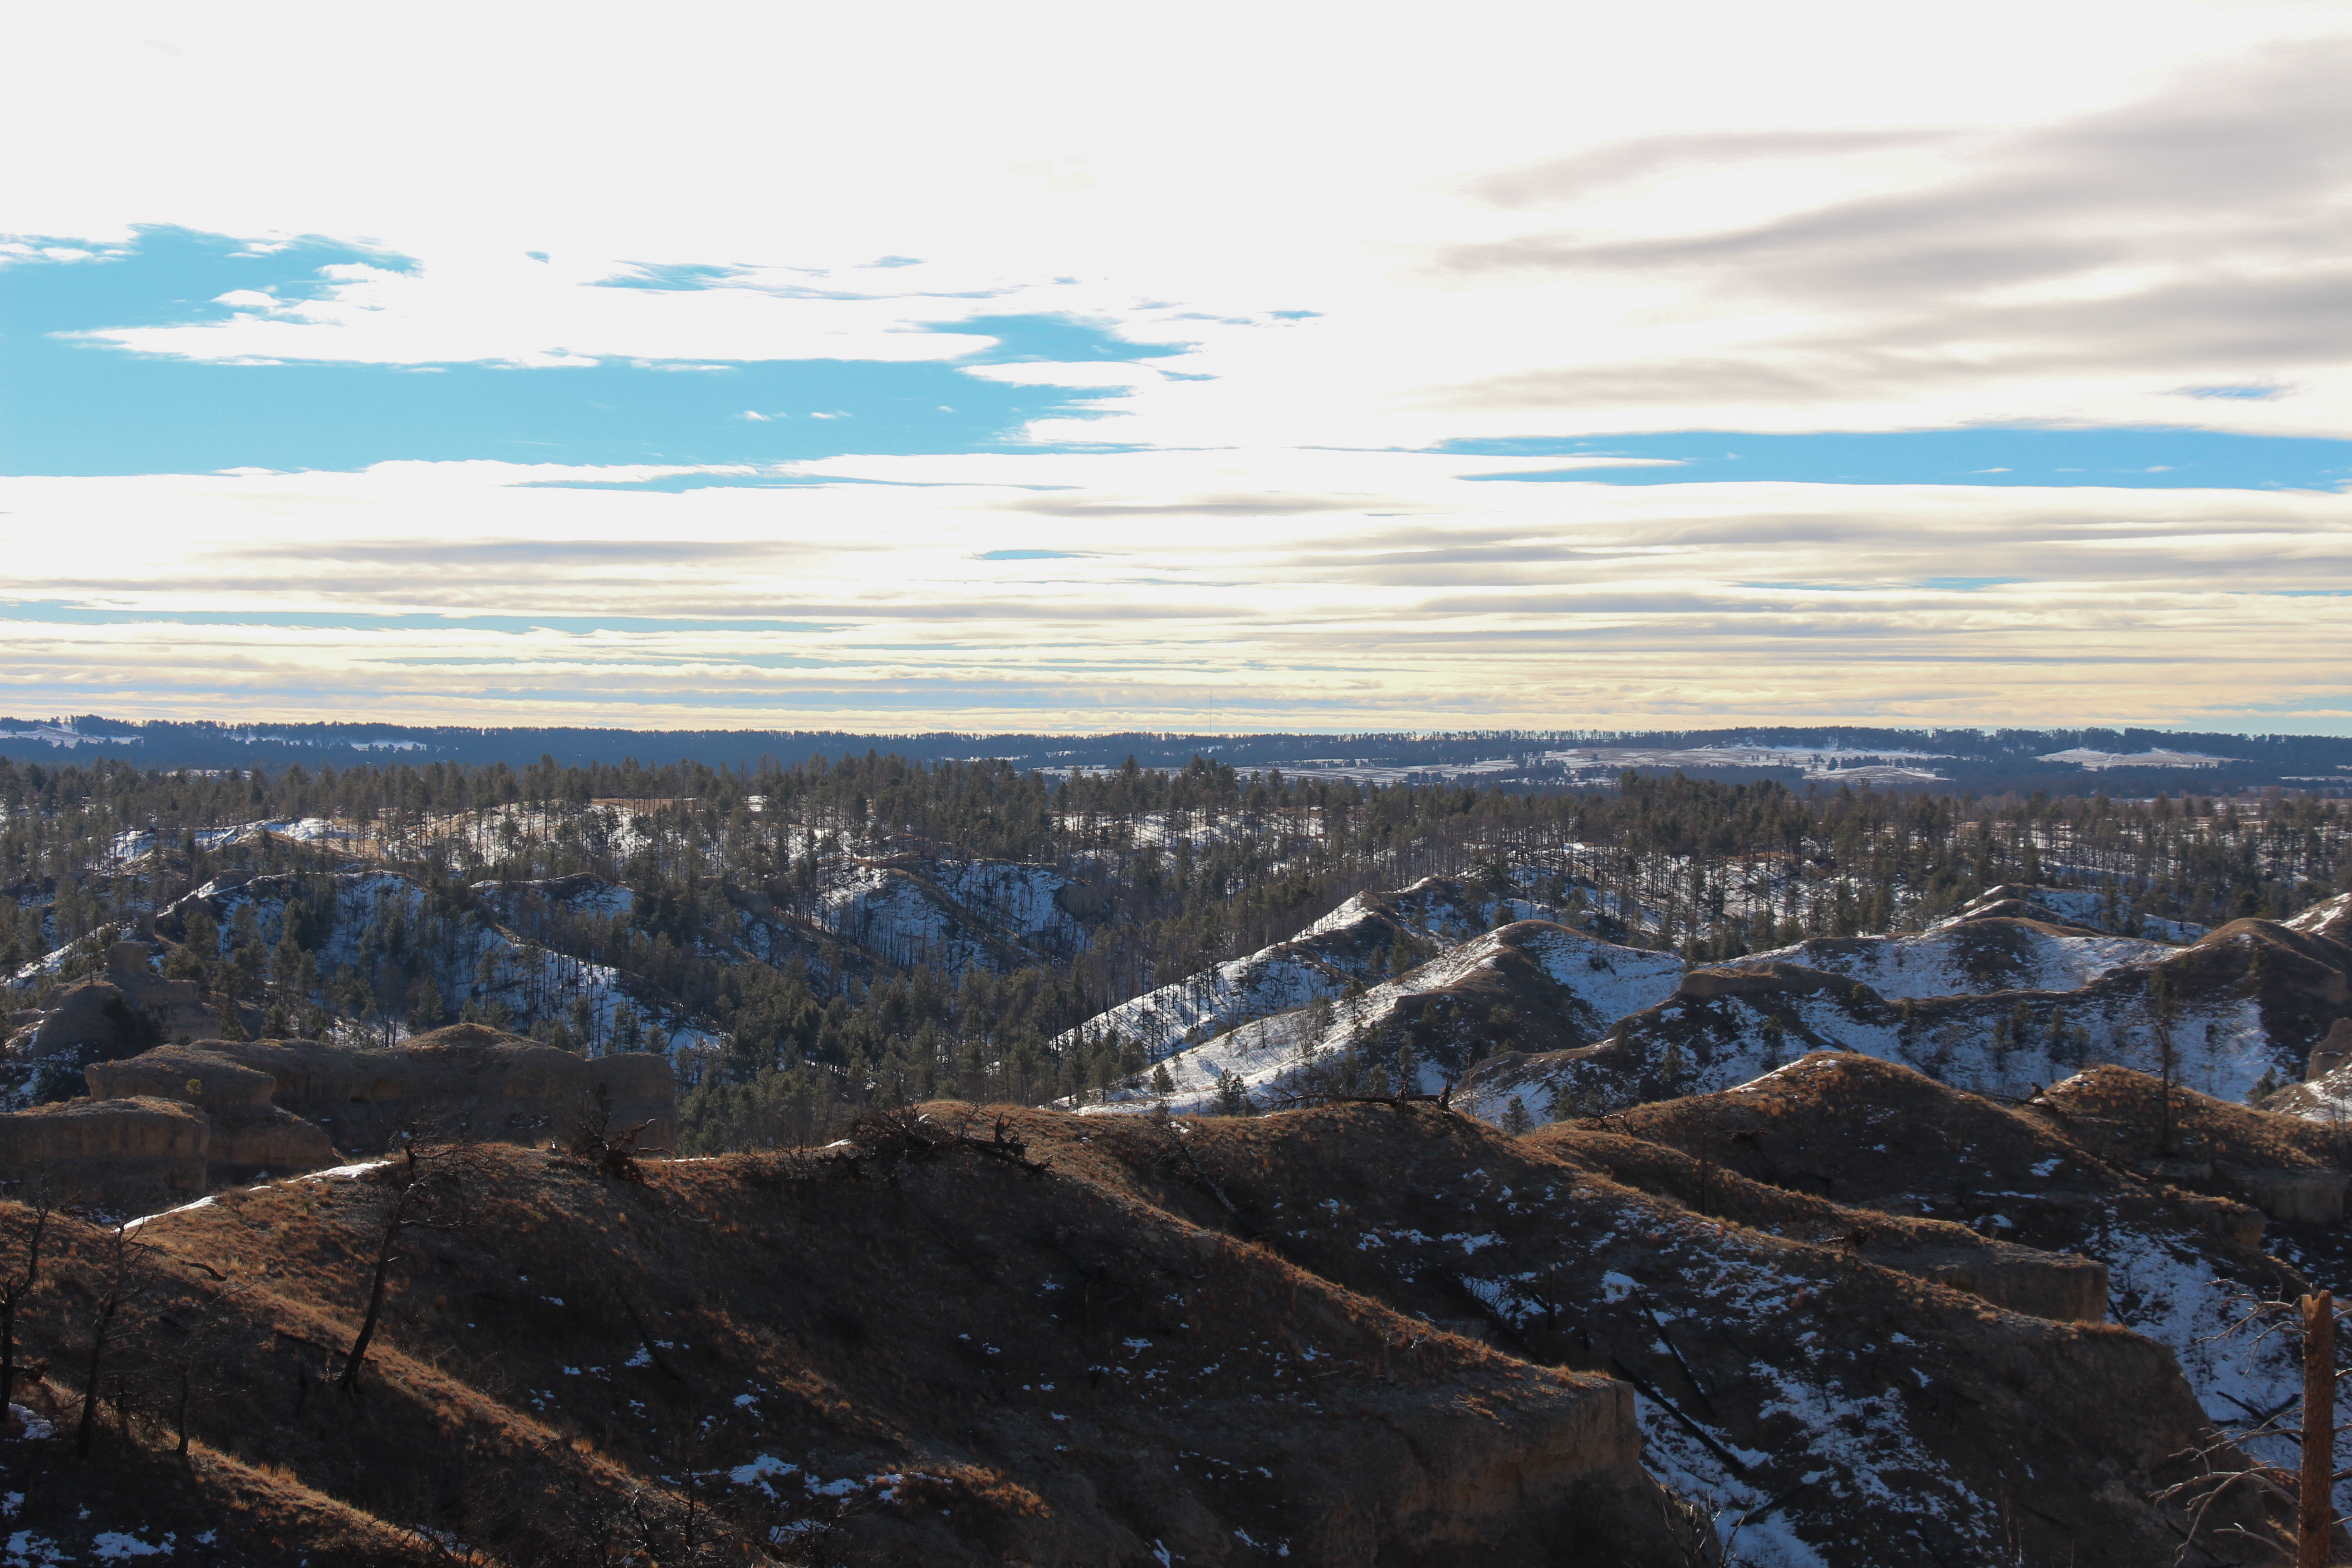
(2319, 1511)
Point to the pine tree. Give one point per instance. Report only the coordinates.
(1515, 1118)
(425, 1007)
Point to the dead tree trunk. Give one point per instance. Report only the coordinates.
(2317, 1523)
(350, 1378)
(98, 1333)
(423, 1189)
(12, 1296)
(387, 1248)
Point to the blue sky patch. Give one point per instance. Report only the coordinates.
(2257, 394)
(1060, 340)
(85, 411)
(72, 406)
(2139, 458)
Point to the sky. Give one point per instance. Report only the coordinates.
(1073, 367)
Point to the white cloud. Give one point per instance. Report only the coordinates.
(1518, 221)
(1234, 589)
(1870, 217)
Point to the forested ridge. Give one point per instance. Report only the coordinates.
(749, 900)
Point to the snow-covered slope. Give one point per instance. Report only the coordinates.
(577, 896)
(1960, 957)
(2238, 1009)
(388, 932)
(2089, 909)
(876, 916)
(2330, 919)
(1530, 981)
(1352, 944)
(1866, 1134)
(1357, 944)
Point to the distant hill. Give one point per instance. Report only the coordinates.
(2124, 763)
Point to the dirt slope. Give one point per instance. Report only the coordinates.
(1852, 1414)
(1874, 1135)
(893, 1358)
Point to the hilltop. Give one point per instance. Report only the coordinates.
(1329, 1335)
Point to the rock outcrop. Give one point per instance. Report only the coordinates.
(2330, 1053)
(123, 1011)
(115, 1153)
(250, 1135)
(94, 1014)
(464, 1081)
(2299, 1197)
(2059, 1286)
(1764, 980)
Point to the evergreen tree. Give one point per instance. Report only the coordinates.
(425, 1008)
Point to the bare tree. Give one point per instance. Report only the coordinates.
(2301, 1502)
(30, 1224)
(423, 1189)
(614, 1152)
(124, 1281)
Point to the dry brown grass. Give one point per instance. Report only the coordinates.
(1172, 1334)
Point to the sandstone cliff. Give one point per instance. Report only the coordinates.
(116, 1153)
(462, 1082)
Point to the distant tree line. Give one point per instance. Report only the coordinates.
(1165, 872)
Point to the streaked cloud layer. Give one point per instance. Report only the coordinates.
(1221, 590)
(911, 367)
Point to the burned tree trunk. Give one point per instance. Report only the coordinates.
(2317, 1524)
(426, 1194)
(387, 1248)
(124, 1284)
(12, 1296)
